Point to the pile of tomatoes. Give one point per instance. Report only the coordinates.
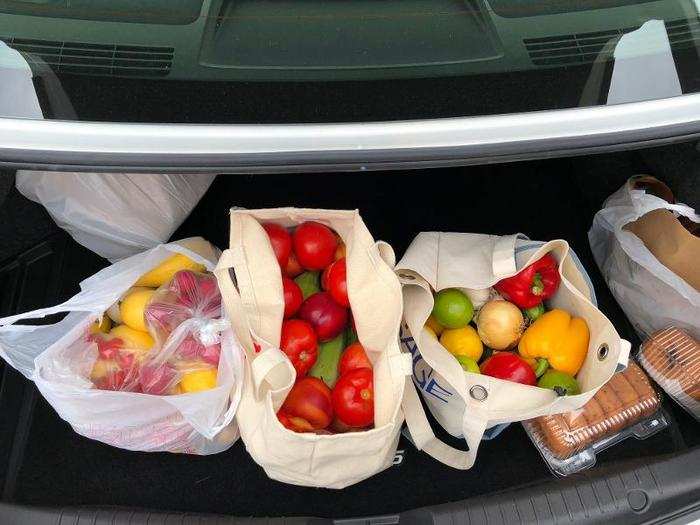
(334, 387)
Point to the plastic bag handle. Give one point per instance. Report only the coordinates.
(654, 203)
(270, 365)
(424, 438)
(66, 307)
(685, 211)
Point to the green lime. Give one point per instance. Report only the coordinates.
(561, 382)
(452, 308)
(468, 364)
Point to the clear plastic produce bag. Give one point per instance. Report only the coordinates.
(95, 381)
(115, 215)
(185, 318)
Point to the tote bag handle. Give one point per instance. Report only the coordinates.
(473, 428)
(503, 258)
(269, 365)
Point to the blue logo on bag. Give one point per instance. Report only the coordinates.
(423, 374)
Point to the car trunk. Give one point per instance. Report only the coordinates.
(46, 464)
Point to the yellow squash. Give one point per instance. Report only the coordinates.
(559, 338)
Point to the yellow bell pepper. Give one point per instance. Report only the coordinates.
(559, 338)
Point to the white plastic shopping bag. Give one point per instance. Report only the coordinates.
(464, 403)
(256, 304)
(115, 215)
(58, 358)
(652, 295)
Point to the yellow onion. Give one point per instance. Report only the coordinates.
(500, 324)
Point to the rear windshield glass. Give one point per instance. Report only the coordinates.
(255, 61)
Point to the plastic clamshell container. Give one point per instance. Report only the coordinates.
(672, 358)
(628, 405)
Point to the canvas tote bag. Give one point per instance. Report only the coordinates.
(464, 403)
(256, 304)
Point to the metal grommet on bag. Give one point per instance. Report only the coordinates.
(478, 393)
(603, 351)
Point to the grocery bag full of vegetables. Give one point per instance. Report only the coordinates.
(501, 329)
(317, 306)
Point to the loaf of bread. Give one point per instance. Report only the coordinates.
(623, 401)
(672, 358)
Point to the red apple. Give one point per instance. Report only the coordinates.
(326, 316)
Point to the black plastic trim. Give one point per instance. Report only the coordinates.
(633, 492)
(658, 492)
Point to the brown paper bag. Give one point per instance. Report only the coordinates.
(671, 243)
(644, 245)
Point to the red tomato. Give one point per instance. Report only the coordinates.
(296, 424)
(292, 297)
(339, 427)
(324, 277)
(327, 317)
(353, 398)
(314, 245)
(353, 357)
(299, 342)
(337, 282)
(508, 366)
(281, 242)
(293, 267)
(340, 250)
(310, 401)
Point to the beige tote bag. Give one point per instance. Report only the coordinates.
(475, 262)
(255, 304)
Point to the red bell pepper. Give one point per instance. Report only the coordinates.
(508, 366)
(533, 284)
